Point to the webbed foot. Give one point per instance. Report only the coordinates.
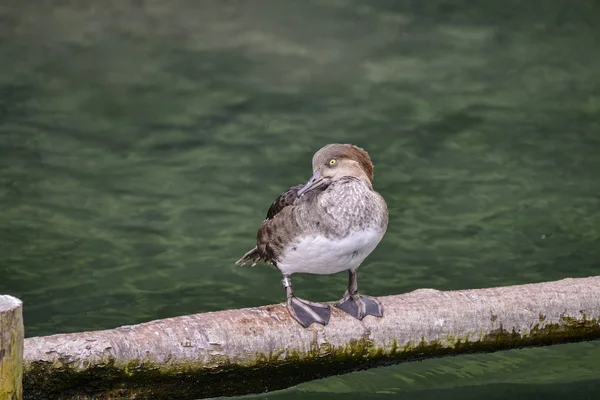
(356, 305)
(307, 312)
(360, 306)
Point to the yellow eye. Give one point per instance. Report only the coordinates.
(332, 161)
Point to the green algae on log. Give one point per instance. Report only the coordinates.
(11, 348)
(254, 350)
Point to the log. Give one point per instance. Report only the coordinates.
(11, 348)
(254, 350)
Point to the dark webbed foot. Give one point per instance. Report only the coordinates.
(356, 305)
(303, 311)
(360, 306)
(307, 312)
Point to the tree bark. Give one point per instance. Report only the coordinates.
(11, 348)
(253, 350)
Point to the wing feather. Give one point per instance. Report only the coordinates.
(264, 251)
(286, 199)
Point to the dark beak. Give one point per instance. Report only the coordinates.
(314, 182)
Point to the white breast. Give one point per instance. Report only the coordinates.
(317, 254)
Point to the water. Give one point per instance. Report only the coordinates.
(142, 142)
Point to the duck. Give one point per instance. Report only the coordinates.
(328, 225)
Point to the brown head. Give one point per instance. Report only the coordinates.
(335, 161)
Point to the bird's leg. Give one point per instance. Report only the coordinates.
(305, 312)
(356, 305)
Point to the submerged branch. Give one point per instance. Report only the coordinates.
(254, 350)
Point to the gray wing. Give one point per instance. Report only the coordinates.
(281, 226)
(263, 251)
(286, 199)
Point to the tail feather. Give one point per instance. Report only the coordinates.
(253, 255)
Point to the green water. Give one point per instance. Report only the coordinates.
(141, 143)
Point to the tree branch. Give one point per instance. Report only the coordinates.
(253, 350)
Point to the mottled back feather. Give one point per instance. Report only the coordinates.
(287, 198)
(264, 251)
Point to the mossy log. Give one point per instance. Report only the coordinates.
(11, 348)
(255, 350)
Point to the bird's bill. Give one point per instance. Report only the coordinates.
(314, 182)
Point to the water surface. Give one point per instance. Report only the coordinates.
(141, 143)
